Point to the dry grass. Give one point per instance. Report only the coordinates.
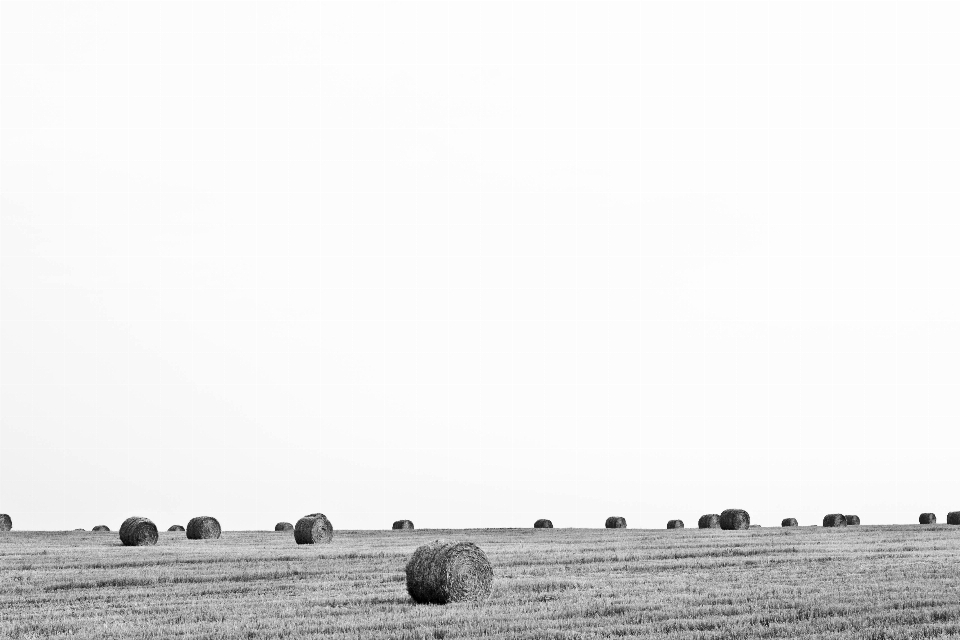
(869, 582)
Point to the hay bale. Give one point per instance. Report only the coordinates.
(442, 572)
(543, 523)
(79, 529)
(734, 519)
(313, 529)
(176, 527)
(203, 528)
(834, 520)
(138, 532)
(789, 522)
(928, 518)
(616, 522)
(283, 526)
(403, 524)
(101, 527)
(953, 517)
(675, 524)
(852, 521)
(6, 523)
(709, 521)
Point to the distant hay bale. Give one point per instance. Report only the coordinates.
(79, 529)
(543, 523)
(675, 524)
(403, 524)
(203, 528)
(138, 532)
(709, 521)
(834, 520)
(313, 529)
(734, 519)
(101, 527)
(616, 522)
(789, 522)
(928, 518)
(442, 572)
(6, 523)
(175, 527)
(283, 526)
(953, 517)
(852, 521)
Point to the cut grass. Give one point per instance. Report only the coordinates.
(862, 582)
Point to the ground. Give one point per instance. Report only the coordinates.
(857, 582)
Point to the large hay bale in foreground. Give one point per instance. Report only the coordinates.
(543, 523)
(953, 517)
(138, 532)
(442, 572)
(789, 522)
(616, 522)
(313, 529)
(834, 520)
(675, 524)
(203, 528)
(283, 526)
(101, 527)
(734, 520)
(928, 518)
(403, 524)
(6, 523)
(176, 527)
(709, 521)
(852, 521)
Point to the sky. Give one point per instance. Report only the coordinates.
(477, 263)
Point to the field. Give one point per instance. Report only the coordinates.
(858, 582)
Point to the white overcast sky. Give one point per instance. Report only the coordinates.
(478, 263)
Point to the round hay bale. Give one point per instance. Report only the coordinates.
(442, 572)
(176, 527)
(403, 524)
(616, 522)
(138, 532)
(852, 521)
(203, 528)
(313, 529)
(789, 522)
(928, 518)
(6, 523)
(675, 524)
(283, 526)
(734, 519)
(834, 520)
(101, 527)
(543, 523)
(709, 521)
(79, 529)
(953, 517)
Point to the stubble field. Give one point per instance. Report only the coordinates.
(857, 582)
